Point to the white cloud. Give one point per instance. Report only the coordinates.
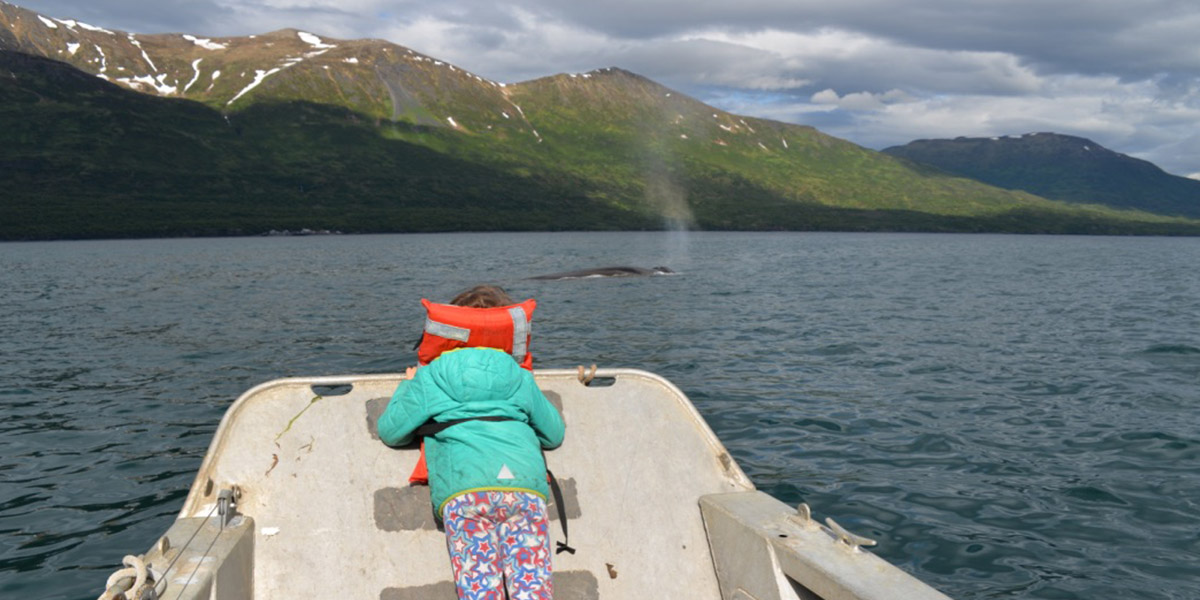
(826, 96)
(1126, 117)
(850, 60)
(532, 48)
(692, 62)
(861, 101)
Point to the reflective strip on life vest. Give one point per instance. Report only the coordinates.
(450, 332)
(520, 333)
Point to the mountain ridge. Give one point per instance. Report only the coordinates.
(1060, 167)
(293, 130)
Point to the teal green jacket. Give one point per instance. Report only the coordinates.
(476, 455)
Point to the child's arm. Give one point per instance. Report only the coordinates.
(543, 417)
(405, 412)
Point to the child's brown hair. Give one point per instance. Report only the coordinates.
(483, 296)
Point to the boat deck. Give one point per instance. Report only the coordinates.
(334, 516)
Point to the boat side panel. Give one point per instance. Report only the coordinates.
(750, 530)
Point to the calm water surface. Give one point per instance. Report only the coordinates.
(1010, 416)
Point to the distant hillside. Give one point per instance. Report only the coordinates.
(112, 134)
(1061, 167)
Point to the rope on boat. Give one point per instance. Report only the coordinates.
(585, 376)
(130, 582)
(134, 581)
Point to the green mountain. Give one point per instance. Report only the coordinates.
(1061, 167)
(111, 134)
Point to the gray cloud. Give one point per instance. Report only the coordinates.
(1130, 39)
(711, 63)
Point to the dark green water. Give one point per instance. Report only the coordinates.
(1010, 416)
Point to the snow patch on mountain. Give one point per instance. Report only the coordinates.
(196, 68)
(94, 28)
(205, 43)
(259, 76)
(158, 83)
(48, 22)
(72, 48)
(72, 24)
(313, 40)
(103, 60)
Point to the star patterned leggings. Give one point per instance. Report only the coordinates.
(496, 538)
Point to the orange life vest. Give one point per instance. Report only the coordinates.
(448, 327)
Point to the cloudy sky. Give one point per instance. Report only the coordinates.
(1125, 73)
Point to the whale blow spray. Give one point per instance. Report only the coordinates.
(671, 202)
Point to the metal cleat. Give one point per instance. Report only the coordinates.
(854, 541)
